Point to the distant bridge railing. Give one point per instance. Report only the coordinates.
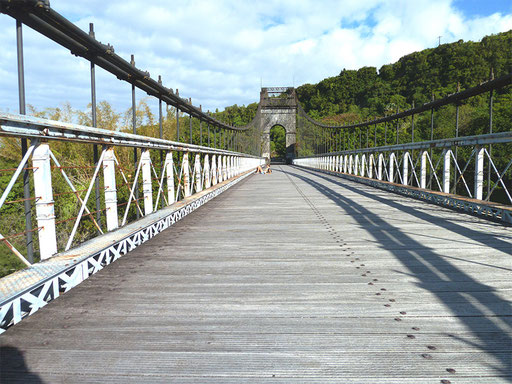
(473, 173)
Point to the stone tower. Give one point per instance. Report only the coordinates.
(278, 107)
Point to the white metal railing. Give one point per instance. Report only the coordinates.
(195, 169)
(437, 166)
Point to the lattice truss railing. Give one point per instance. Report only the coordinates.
(165, 173)
(452, 166)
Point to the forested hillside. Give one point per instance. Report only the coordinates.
(414, 78)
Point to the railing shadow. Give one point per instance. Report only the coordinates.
(13, 368)
(475, 311)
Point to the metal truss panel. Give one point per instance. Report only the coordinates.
(480, 208)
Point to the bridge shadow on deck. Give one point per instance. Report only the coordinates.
(13, 368)
(418, 258)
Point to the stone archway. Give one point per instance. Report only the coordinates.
(278, 107)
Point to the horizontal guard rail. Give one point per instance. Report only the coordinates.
(36, 128)
(479, 140)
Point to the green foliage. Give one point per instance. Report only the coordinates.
(278, 142)
(414, 78)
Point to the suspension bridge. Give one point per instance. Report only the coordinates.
(370, 257)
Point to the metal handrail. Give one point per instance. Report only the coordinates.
(37, 128)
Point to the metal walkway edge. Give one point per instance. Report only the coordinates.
(293, 277)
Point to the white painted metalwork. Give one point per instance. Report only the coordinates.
(109, 181)
(224, 165)
(399, 164)
(147, 188)
(479, 173)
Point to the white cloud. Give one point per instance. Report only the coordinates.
(217, 52)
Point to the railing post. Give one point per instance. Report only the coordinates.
(206, 169)
(406, 168)
(186, 175)
(197, 167)
(350, 164)
(379, 167)
(363, 165)
(370, 168)
(446, 171)
(169, 171)
(423, 171)
(214, 170)
(147, 187)
(224, 168)
(44, 201)
(356, 165)
(391, 167)
(479, 173)
(219, 169)
(345, 164)
(109, 182)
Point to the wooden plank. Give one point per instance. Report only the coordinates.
(266, 283)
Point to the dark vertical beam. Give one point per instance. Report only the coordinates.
(160, 119)
(190, 124)
(412, 125)
(24, 145)
(431, 138)
(200, 127)
(161, 134)
(95, 124)
(432, 122)
(457, 106)
(208, 126)
(397, 124)
(134, 128)
(491, 94)
(177, 119)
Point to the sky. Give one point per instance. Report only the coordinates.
(220, 52)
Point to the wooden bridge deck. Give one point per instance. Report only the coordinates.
(291, 277)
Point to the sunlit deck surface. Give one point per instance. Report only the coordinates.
(294, 277)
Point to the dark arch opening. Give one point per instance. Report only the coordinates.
(277, 144)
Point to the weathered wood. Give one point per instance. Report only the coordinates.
(269, 283)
